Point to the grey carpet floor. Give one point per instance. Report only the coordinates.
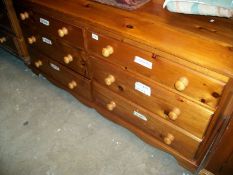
(46, 131)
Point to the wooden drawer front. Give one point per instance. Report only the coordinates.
(39, 61)
(8, 41)
(191, 117)
(183, 142)
(72, 81)
(155, 67)
(4, 21)
(24, 14)
(65, 32)
(68, 56)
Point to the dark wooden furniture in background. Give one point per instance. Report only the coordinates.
(11, 37)
(219, 159)
(166, 77)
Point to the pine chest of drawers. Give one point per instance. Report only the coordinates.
(166, 77)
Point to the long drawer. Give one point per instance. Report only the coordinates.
(204, 89)
(168, 105)
(176, 138)
(75, 59)
(61, 74)
(58, 29)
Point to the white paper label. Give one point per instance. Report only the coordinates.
(47, 41)
(143, 62)
(44, 21)
(95, 36)
(54, 66)
(143, 88)
(139, 115)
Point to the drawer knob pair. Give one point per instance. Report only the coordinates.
(173, 115)
(107, 51)
(110, 106)
(109, 80)
(31, 39)
(72, 84)
(68, 58)
(182, 83)
(169, 139)
(62, 32)
(24, 16)
(38, 63)
(2, 40)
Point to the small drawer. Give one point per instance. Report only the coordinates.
(62, 31)
(8, 41)
(168, 105)
(78, 84)
(201, 88)
(74, 82)
(170, 135)
(75, 59)
(24, 14)
(39, 62)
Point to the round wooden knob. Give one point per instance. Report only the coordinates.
(107, 51)
(173, 115)
(2, 40)
(62, 32)
(38, 63)
(72, 84)
(24, 16)
(68, 59)
(31, 39)
(182, 83)
(111, 106)
(169, 139)
(109, 80)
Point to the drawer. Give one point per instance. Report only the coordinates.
(170, 135)
(168, 105)
(8, 41)
(75, 59)
(24, 14)
(4, 21)
(74, 82)
(78, 84)
(189, 82)
(39, 62)
(64, 32)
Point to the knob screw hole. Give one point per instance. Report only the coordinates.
(129, 26)
(215, 95)
(154, 56)
(120, 88)
(203, 100)
(87, 5)
(166, 112)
